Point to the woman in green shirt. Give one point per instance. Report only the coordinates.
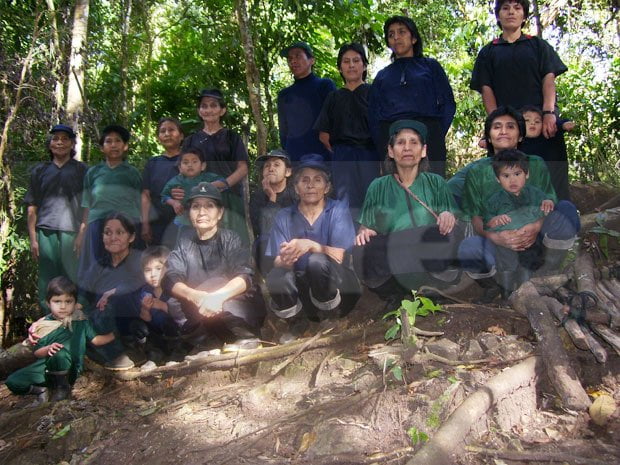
(407, 221)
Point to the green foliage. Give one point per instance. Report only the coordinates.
(416, 436)
(419, 306)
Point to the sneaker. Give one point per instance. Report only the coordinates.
(120, 363)
(242, 344)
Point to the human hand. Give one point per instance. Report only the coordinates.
(269, 192)
(209, 304)
(291, 251)
(547, 206)
(177, 206)
(177, 193)
(147, 301)
(103, 301)
(568, 126)
(221, 186)
(363, 235)
(77, 244)
(146, 232)
(499, 220)
(446, 222)
(53, 348)
(549, 125)
(34, 249)
(33, 337)
(482, 143)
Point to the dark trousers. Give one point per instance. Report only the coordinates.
(34, 374)
(402, 253)
(314, 289)
(435, 143)
(241, 317)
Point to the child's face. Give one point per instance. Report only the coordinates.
(275, 170)
(512, 179)
(62, 306)
(533, 124)
(210, 110)
(153, 272)
(191, 165)
(114, 147)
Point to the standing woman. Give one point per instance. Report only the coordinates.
(412, 87)
(157, 216)
(111, 186)
(344, 131)
(225, 154)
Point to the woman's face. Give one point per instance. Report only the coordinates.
(311, 186)
(116, 239)
(204, 214)
(210, 110)
(169, 135)
(408, 149)
(61, 144)
(400, 40)
(352, 66)
(504, 133)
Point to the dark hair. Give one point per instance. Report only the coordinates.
(409, 24)
(120, 130)
(355, 47)
(48, 145)
(168, 119)
(390, 164)
(524, 3)
(501, 111)
(126, 223)
(60, 285)
(212, 93)
(531, 108)
(192, 150)
(297, 174)
(156, 252)
(509, 158)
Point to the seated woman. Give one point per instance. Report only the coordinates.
(210, 273)
(407, 220)
(110, 288)
(312, 274)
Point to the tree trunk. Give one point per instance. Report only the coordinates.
(252, 74)
(75, 100)
(56, 53)
(536, 16)
(125, 25)
(7, 198)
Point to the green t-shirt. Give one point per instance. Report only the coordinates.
(481, 183)
(108, 190)
(522, 209)
(386, 208)
(73, 340)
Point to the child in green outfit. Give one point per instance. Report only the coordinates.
(60, 348)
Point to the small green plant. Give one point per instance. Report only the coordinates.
(406, 315)
(416, 435)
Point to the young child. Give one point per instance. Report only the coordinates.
(275, 192)
(535, 143)
(60, 348)
(515, 206)
(54, 211)
(161, 315)
(111, 186)
(192, 171)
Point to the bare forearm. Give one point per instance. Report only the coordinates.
(488, 99)
(237, 175)
(232, 288)
(32, 223)
(102, 339)
(146, 205)
(548, 90)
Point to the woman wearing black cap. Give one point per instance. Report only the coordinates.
(223, 150)
(210, 273)
(54, 209)
(407, 221)
(412, 87)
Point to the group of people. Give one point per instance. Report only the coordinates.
(356, 195)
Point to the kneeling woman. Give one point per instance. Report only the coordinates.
(309, 242)
(407, 221)
(210, 273)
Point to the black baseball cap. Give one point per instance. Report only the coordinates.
(312, 160)
(205, 190)
(63, 128)
(275, 153)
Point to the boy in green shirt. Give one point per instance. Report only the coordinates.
(62, 337)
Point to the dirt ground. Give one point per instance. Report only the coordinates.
(341, 403)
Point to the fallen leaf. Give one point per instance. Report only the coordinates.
(306, 441)
(62, 432)
(497, 330)
(552, 433)
(148, 411)
(602, 408)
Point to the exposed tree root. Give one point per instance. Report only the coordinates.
(449, 440)
(563, 457)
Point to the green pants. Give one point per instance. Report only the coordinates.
(56, 258)
(35, 374)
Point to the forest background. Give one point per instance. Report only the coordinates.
(91, 63)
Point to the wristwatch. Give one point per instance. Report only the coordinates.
(548, 112)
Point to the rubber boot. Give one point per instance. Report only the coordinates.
(42, 393)
(61, 389)
(490, 288)
(553, 261)
(507, 281)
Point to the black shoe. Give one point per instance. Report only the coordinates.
(61, 389)
(490, 290)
